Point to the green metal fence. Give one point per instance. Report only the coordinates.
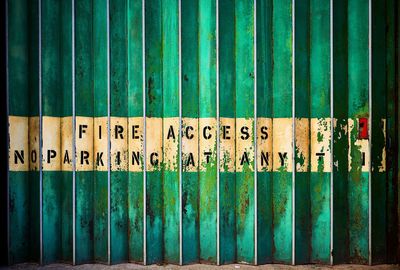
(215, 131)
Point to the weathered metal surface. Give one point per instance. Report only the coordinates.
(269, 66)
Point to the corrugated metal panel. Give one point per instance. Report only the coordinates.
(163, 131)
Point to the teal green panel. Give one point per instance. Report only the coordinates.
(135, 214)
(190, 109)
(378, 180)
(19, 248)
(282, 107)
(391, 130)
(264, 109)
(84, 106)
(100, 82)
(135, 109)
(134, 58)
(154, 108)
(358, 107)
(340, 136)
(66, 85)
(207, 108)
(320, 108)
(100, 221)
(100, 79)
(51, 206)
(244, 41)
(282, 58)
(18, 49)
(118, 108)
(18, 80)
(51, 106)
(170, 45)
(227, 97)
(302, 101)
(207, 58)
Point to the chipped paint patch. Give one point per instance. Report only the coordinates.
(154, 153)
(359, 155)
(382, 166)
(135, 144)
(34, 143)
(321, 145)
(100, 143)
(302, 144)
(282, 144)
(208, 142)
(171, 143)
(51, 137)
(190, 144)
(264, 144)
(227, 144)
(18, 152)
(66, 143)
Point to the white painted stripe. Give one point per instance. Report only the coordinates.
(293, 134)
(332, 126)
(369, 128)
(255, 132)
(218, 131)
(144, 131)
(40, 136)
(180, 130)
(108, 139)
(73, 139)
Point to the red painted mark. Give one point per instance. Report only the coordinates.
(363, 128)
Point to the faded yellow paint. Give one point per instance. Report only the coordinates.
(66, 143)
(84, 143)
(208, 143)
(282, 144)
(382, 166)
(51, 136)
(154, 150)
(119, 143)
(34, 143)
(135, 142)
(244, 143)
(264, 144)
(171, 143)
(190, 144)
(18, 142)
(302, 144)
(361, 144)
(227, 144)
(100, 143)
(320, 143)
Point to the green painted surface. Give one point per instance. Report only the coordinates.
(19, 188)
(264, 109)
(154, 96)
(227, 100)
(100, 80)
(84, 106)
(66, 86)
(282, 107)
(207, 108)
(358, 107)
(118, 108)
(135, 109)
(303, 106)
(320, 108)
(391, 130)
(170, 77)
(378, 178)
(51, 106)
(340, 136)
(244, 51)
(190, 109)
